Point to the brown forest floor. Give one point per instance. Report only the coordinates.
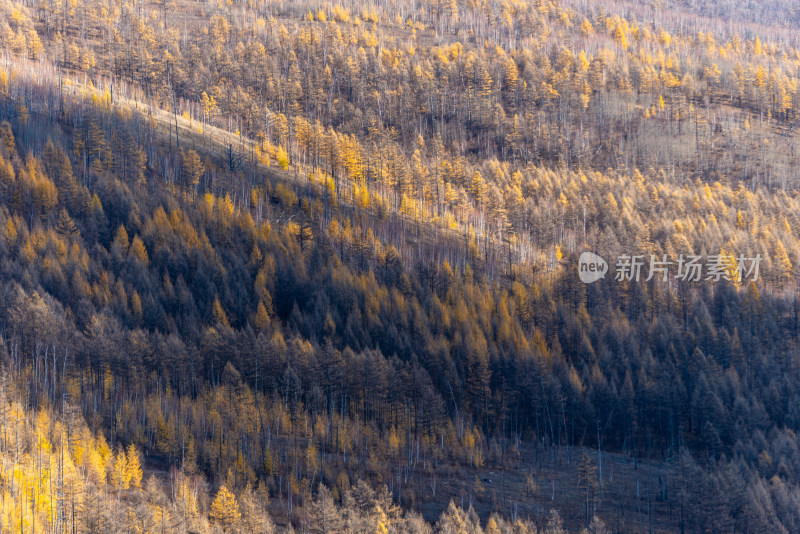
(630, 499)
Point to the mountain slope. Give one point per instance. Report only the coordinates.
(280, 248)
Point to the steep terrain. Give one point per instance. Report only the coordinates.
(314, 266)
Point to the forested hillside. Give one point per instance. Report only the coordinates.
(311, 266)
